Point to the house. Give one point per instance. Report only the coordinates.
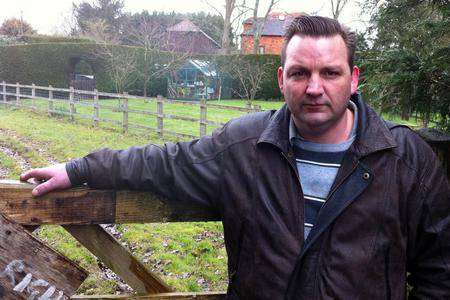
(271, 40)
(186, 37)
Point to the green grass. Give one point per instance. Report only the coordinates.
(10, 165)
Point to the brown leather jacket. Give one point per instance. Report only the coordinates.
(388, 213)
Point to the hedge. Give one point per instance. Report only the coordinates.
(52, 64)
(42, 64)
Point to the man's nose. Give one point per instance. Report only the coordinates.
(314, 87)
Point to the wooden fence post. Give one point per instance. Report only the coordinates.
(257, 108)
(33, 95)
(203, 122)
(50, 101)
(4, 92)
(96, 112)
(248, 105)
(72, 104)
(125, 113)
(160, 116)
(17, 94)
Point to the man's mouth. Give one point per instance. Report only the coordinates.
(314, 106)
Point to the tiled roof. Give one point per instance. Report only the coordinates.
(275, 25)
(187, 26)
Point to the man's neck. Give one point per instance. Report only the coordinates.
(335, 134)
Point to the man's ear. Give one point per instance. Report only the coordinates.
(280, 79)
(355, 79)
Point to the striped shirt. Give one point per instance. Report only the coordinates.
(317, 166)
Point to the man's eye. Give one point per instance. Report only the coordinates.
(331, 73)
(298, 74)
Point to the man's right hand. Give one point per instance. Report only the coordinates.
(48, 179)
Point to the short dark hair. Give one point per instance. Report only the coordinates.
(316, 26)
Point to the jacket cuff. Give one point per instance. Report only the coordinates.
(76, 170)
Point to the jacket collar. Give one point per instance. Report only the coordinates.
(372, 133)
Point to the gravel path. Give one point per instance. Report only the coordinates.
(35, 146)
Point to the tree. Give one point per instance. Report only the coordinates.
(108, 11)
(336, 7)
(152, 38)
(212, 25)
(233, 12)
(119, 61)
(249, 71)
(409, 74)
(259, 23)
(16, 27)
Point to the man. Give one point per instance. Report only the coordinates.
(319, 200)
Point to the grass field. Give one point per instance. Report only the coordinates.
(189, 256)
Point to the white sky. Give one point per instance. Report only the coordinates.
(52, 16)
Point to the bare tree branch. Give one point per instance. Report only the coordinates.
(259, 24)
(157, 58)
(336, 7)
(250, 74)
(120, 61)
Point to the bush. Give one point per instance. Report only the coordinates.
(38, 38)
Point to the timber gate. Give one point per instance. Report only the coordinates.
(31, 270)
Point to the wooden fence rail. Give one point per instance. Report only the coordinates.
(80, 210)
(12, 94)
(73, 97)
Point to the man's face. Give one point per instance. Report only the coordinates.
(316, 81)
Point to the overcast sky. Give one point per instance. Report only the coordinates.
(52, 16)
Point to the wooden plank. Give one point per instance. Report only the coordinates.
(202, 121)
(28, 267)
(118, 259)
(88, 206)
(162, 296)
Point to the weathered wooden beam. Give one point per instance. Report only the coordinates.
(29, 269)
(440, 143)
(118, 259)
(88, 206)
(162, 296)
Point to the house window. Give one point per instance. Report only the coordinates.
(261, 50)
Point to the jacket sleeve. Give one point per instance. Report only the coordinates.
(184, 171)
(429, 234)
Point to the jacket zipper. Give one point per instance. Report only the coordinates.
(336, 187)
(386, 272)
(330, 193)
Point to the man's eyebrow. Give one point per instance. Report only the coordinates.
(332, 67)
(296, 67)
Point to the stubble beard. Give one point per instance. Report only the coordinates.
(313, 123)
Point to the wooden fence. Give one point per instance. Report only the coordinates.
(14, 94)
(80, 211)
